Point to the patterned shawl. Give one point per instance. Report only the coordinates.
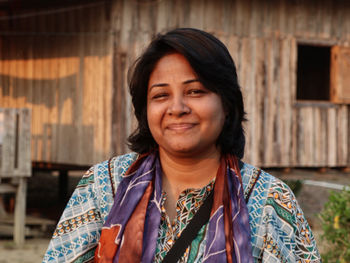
(131, 229)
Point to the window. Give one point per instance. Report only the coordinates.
(323, 73)
(313, 75)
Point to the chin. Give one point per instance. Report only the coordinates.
(192, 152)
(182, 150)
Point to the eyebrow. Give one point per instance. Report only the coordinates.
(190, 81)
(165, 84)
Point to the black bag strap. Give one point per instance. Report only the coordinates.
(199, 219)
(190, 232)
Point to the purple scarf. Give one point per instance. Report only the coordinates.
(131, 229)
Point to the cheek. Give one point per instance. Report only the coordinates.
(217, 115)
(216, 111)
(149, 118)
(153, 117)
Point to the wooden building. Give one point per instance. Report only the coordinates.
(68, 62)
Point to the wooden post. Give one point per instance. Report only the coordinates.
(20, 212)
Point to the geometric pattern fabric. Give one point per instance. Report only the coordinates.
(187, 205)
(279, 231)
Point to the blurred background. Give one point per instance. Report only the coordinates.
(67, 62)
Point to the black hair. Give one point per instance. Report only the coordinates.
(215, 69)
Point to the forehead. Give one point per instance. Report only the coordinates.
(172, 67)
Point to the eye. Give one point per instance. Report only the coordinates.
(159, 96)
(196, 92)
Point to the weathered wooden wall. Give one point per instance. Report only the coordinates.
(262, 37)
(75, 80)
(59, 64)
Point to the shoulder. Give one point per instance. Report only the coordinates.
(114, 169)
(107, 176)
(78, 230)
(115, 166)
(277, 219)
(254, 178)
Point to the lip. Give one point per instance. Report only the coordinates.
(180, 126)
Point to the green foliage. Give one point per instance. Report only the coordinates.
(294, 185)
(335, 219)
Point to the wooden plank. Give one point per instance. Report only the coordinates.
(318, 138)
(5, 189)
(305, 136)
(50, 125)
(288, 22)
(342, 136)
(105, 54)
(20, 211)
(41, 86)
(98, 100)
(36, 95)
(75, 123)
(46, 92)
(8, 147)
(226, 16)
(332, 137)
(297, 138)
(24, 157)
(2, 131)
(118, 130)
(285, 103)
(86, 147)
(326, 19)
(19, 81)
(13, 73)
(212, 15)
(15, 143)
(248, 87)
(293, 91)
(66, 94)
(231, 18)
(272, 141)
(106, 50)
(257, 18)
(261, 102)
(260, 79)
(194, 18)
(320, 116)
(340, 74)
(5, 73)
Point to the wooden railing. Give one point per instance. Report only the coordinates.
(15, 163)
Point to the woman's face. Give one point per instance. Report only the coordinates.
(184, 117)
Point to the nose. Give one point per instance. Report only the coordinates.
(178, 106)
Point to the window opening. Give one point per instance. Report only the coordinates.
(313, 73)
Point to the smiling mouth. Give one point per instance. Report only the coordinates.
(180, 126)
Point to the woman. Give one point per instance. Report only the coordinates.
(186, 168)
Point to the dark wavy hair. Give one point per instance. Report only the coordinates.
(215, 69)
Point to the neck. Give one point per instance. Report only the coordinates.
(180, 173)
